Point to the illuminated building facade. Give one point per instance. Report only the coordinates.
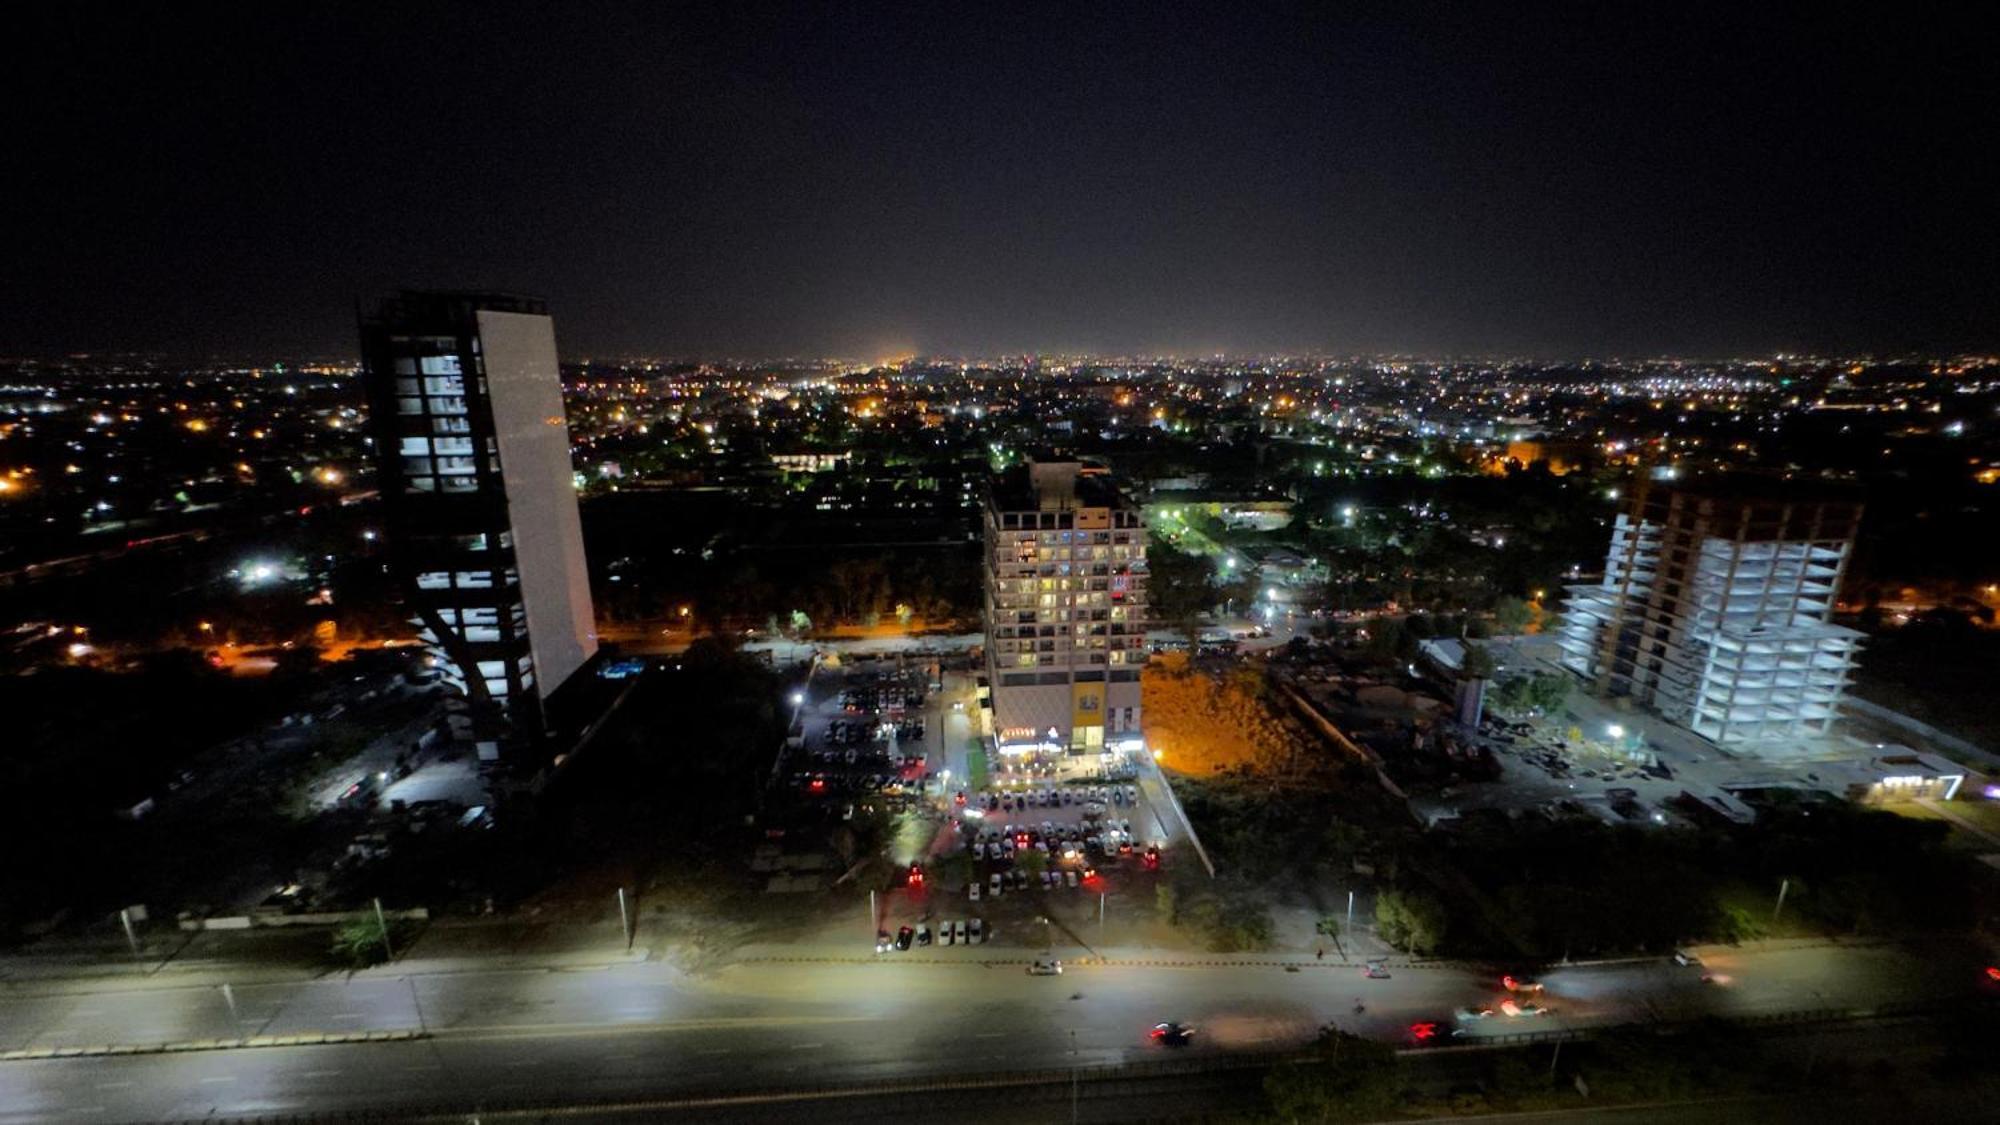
(1065, 614)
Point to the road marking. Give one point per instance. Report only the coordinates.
(320, 1074)
(421, 1069)
(808, 1046)
(348, 1016)
(113, 1085)
(991, 1035)
(717, 1051)
(220, 1078)
(621, 1058)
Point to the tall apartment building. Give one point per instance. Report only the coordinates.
(473, 459)
(1065, 609)
(1714, 611)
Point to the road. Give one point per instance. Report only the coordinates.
(645, 1030)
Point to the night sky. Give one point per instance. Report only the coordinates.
(1120, 178)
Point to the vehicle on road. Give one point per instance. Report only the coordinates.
(903, 938)
(1172, 1034)
(1374, 970)
(1475, 1012)
(1043, 967)
(1516, 1008)
(1683, 957)
(1520, 984)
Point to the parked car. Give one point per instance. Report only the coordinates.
(976, 931)
(903, 937)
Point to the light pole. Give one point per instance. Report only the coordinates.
(1072, 1076)
(131, 935)
(388, 950)
(1350, 912)
(1784, 885)
(624, 920)
(1100, 918)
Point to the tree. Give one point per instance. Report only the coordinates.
(1181, 586)
(1478, 664)
(1547, 691)
(1511, 615)
(1032, 862)
(1413, 920)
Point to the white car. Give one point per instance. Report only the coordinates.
(1044, 967)
(993, 884)
(945, 935)
(972, 890)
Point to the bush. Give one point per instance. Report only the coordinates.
(357, 942)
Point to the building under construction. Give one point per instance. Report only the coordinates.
(1714, 610)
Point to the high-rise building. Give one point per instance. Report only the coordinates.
(473, 460)
(1714, 611)
(1065, 609)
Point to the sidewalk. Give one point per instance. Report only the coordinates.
(278, 956)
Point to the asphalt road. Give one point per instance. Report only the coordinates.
(646, 1031)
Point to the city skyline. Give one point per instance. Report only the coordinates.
(1560, 182)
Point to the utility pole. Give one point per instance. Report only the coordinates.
(873, 927)
(624, 920)
(381, 920)
(1100, 918)
(1350, 912)
(1784, 885)
(229, 998)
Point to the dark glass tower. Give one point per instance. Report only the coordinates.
(472, 455)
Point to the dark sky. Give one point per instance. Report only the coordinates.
(1125, 177)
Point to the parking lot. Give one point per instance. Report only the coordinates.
(865, 735)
